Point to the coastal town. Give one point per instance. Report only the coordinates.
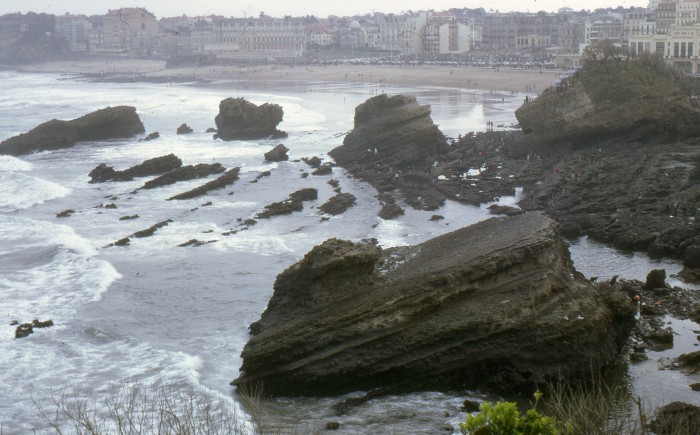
(670, 29)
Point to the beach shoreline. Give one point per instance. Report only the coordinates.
(273, 76)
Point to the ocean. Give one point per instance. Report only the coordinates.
(155, 314)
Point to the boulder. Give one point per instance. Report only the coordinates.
(184, 173)
(239, 119)
(324, 169)
(154, 166)
(391, 131)
(390, 211)
(104, 124)
(656, 279)
(290, 205)
(184, 129)
(497, 304)
(277, 154)
(504, 210)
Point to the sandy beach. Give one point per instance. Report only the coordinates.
(270, 76)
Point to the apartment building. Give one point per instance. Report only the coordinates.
(75, 31)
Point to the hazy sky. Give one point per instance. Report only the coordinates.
(279, 8)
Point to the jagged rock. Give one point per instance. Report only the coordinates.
(65, 213)
(154, 166)
(497, 304)
(123, 242)
(338, 204)
(150, 137)
(103, 124)
(390, 211)
(184, 173)
(227, 178)
(676, 418)
(290, 205)
(184, 129)
(391, 131)
(195, 243)
(277, 154)
(239, 119)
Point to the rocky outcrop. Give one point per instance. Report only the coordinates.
(184, 129)
(154, 166)
(391, 131)
(497, 304)
(611, 102)
(338, 204)
(239, 119)
(277, 154)
(25, 329)
(151, 136)
(295, 202)
(109, 123)
(184, 173)
(227, 178)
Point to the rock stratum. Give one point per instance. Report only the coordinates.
(239, 119)
(628, 101)
(104, 124)
(496, 304)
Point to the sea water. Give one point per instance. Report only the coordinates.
(153, 313)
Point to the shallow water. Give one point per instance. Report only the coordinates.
(153, 312)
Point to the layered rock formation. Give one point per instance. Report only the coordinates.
(154, 166)
(496, 304)
(226, 179)
(239, 119)
(391, 131)
(109, 123)
(629, 102)
(184, 173)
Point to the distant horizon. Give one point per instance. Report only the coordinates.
(278, 8)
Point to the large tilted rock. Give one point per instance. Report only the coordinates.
(497, 304)
(103, 124)
(604, 103)
(391, 131)
(239, 119)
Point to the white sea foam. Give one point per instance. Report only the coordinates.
(13, 164)
(19, 191)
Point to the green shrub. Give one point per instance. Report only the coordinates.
(503, 418)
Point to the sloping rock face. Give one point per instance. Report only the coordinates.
(393, 131)
(184, 173)
(154, 166)
(277, 154)
(239, 119)
(571, 115)
(109, 123)
(497, 304)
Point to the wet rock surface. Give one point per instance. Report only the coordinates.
(184, 129)
(338, 204)
(295, 202)
(226, 179)
(104, 124)
(496, 304)
(239, 119)
(185, 173)
(157, 165)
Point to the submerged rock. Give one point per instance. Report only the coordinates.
(239, 119)
(497, 304)
(108, 123)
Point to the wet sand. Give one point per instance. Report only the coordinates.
(267, 76)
